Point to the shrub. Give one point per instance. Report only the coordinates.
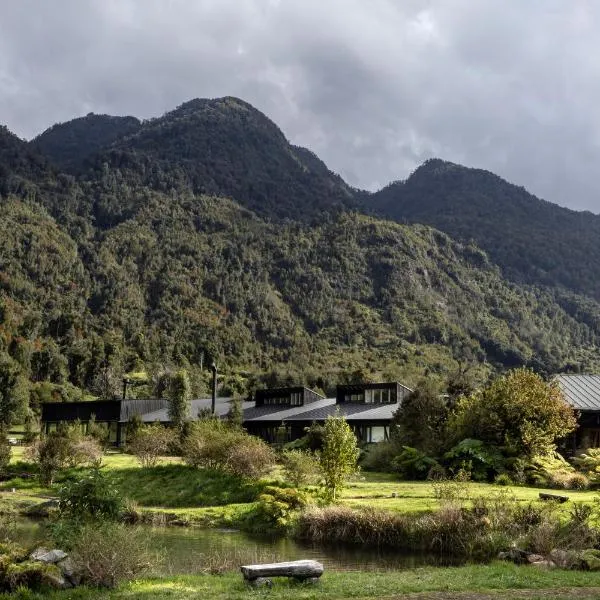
(215, 445)
(589, 462)
(92, 496)
(5, 450)
(86, 451)
(63, 448)
(299, 467)
(149, 443)
(379, 457)
(277, 508)
(503, 479)
(108, 553)
(484, 461)
(50, 453)
(413, 464)
(249, 457)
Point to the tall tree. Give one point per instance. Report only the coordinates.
(339, 456)
(180, 394)
(14, 392)
(518, 412)
(421, 419)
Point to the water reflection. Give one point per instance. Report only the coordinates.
(188, 551)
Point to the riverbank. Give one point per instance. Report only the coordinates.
(498, 580)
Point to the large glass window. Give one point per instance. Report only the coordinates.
(296, 399)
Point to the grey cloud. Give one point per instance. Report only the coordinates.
(374, 88)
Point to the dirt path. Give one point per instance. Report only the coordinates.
(592, 593)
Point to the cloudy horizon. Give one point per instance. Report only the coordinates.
(373, 88)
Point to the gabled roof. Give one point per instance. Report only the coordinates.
(222, 407)
(582, 392)
(281, 413)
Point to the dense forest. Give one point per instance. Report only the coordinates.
(130, 248)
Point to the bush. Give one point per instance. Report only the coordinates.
(108, 553)
(86, 451)
(277, 508)
(413, 464)
(5, 451)
(215, 445)
(589, 462)
(149, 442)
(51, 453)
(61, 449)
(299, 467)
(503, 479)
(379, 457)
(568, 481)
(249, 457)
(484, 461)
(93, 496)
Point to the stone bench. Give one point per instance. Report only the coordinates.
(300, 570)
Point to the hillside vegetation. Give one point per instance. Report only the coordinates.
(205, 235)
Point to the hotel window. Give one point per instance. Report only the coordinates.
(375, 434)
(296, 399)
(355, 398)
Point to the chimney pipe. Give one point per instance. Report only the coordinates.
(214, 388)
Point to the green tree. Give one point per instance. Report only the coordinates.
(518, 412)
(179, 398)
(14, 392)
(235, 416)
(339, 456)
(420, 420)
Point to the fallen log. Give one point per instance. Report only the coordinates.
(298, 569)
(554, 497)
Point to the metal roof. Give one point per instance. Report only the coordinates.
(222, 407)
(348, 410)
(581, 391)
(281, 413)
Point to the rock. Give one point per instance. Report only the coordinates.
(515, 555)
(70, 571)
(543, 564)
(57, 581)
(48, 556)
(560, 558)
(535, 558)
(261, 582)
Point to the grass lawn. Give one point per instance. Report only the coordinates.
(200, 496)
(375, 489)
(498, 580)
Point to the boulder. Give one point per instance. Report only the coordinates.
(535, 558)
(43, 509)
(561, 558)
(543, 564)
(70, 571)
(48, 556)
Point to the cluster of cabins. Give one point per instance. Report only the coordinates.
(283, 414)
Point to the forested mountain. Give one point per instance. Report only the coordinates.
(532, 240)
(72, 143)
(225, 147)
(195, 236)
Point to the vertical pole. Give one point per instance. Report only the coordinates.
(214, 388)
(124, 388)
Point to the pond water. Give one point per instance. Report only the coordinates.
(190, 550)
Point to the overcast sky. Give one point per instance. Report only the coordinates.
(374, 87)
